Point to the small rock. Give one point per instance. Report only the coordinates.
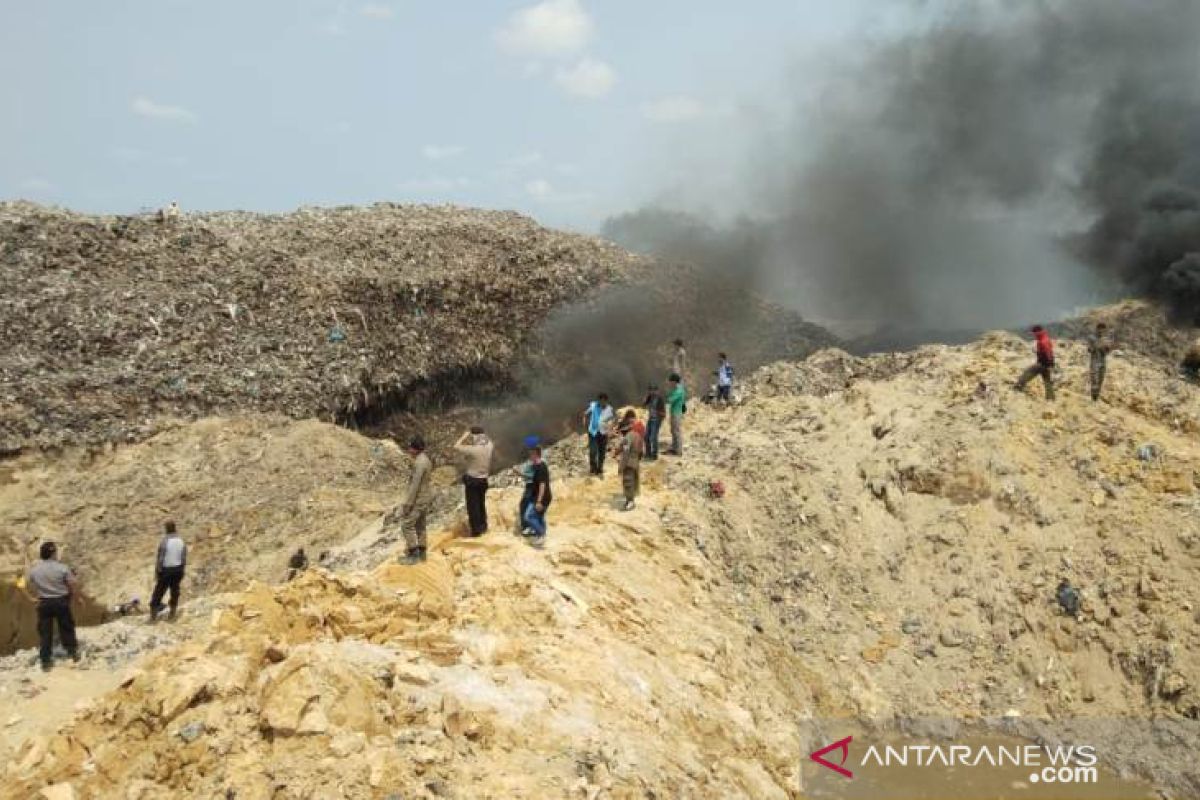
(191, 732)
(15, 719)
(951, 638)
(415, 674)
(276, 653)
(59, 791)
(910, 626)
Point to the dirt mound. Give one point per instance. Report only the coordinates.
(244, 492)
(116, 322)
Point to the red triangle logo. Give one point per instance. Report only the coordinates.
(842, 745)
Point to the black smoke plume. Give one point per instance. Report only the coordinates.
(1004, 164)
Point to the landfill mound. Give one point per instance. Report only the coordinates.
(888, 552)
(114, 323)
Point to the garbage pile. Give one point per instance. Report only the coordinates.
(115, 323)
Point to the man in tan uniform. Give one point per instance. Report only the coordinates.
(477, 449)
(417, 503)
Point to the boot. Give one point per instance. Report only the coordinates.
(411, 556)
(421, 553)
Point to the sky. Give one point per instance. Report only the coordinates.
(568, 110)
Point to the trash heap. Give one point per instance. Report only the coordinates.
(115, 323)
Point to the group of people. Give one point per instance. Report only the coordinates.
(1100, 344)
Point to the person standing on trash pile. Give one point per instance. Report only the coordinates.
(1191, 362)
(1100, 343)
(1044, 365)
(540, 496)
(418, 502)
(629, 451)
(679, 360)
(677, 407)
(478, 449)
(598, 417)
(169, 566)
(297, 563)
(656, 412)
(53, 585)
(724, 375)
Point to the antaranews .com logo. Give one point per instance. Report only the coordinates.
(1068, 764)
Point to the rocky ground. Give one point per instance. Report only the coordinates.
(887, 555)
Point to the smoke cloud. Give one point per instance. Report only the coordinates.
(1002, 165)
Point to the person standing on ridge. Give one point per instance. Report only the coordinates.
(724, 379)
(629, 451)
(525, 470)
(598, 417)
(417, 503)
(656, 412)
(538, 490)
(169, 567)
(679, 360)
(677, 406)
(1044, 365)
(478, 449)
(1100, 343)
(53, 584)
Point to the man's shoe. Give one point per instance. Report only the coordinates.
(75, 656)
(46, 666)
(421, 554)
(411, 557)
(629, 505)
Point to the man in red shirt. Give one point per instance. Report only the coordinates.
(1045, 362)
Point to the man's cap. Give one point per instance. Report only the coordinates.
(531, 441)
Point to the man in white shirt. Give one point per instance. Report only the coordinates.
(168, 570)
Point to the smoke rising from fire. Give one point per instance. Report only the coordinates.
(1004, 164)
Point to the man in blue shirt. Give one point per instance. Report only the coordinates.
(724, 379)
(598, 417)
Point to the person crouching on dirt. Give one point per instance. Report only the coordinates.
(478, 448)
(53, 584)
(629, 453)
(169, 566)
(418, 502)
(724, 379)
(297, 564)
(1045, 362)
(1100, 344)
(656, 412)
(1190, 365)
(677, 405)
(540, 495)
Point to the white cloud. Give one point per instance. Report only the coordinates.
(146, 107)
(539, 188)
(524, 160)
(377, 11)
(438, 152)
(549, 28)
(676, 108)
(37, 185)
(433, 185)
(589, 78)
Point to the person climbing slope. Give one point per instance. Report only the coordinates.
(724, 379)
(540, 496)
(1044, 366)
(1100, 343)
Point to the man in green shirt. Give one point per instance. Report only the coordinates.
(676, 405)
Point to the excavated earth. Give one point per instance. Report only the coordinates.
(885, 559)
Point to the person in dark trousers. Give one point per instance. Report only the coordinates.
(297, 563)
(525, 470)
(677, 406)
(478, 449)
(540, 495)
(656, 412)
(724, 379)
(598, 417)
(629, 452)
(418, 502)
(53, 585)
(679, 359)
(1100, 343)
(1045, 362)
(1190, 365)
(169, 566)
